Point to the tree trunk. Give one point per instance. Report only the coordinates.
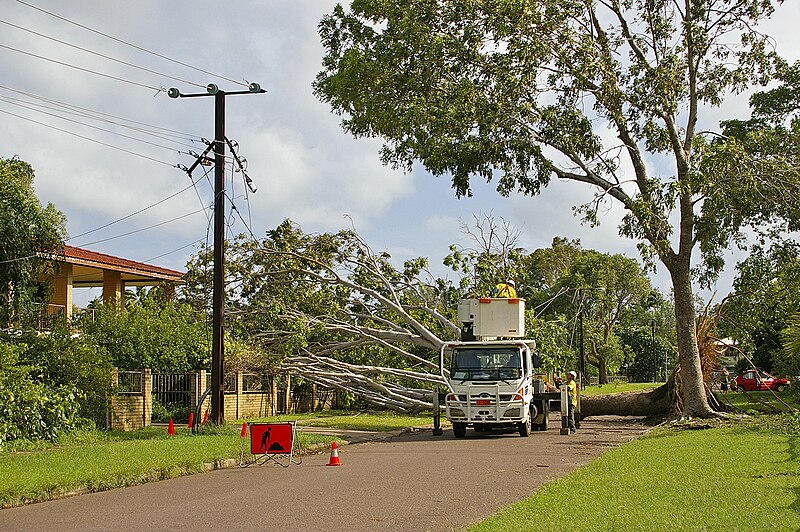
(602, 369)
(656, 402)
(693, 393)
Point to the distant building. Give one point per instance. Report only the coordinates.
(82, 268)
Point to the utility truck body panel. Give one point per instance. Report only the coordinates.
(493, 317)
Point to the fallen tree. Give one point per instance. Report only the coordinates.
(337, 314)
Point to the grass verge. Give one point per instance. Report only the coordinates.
(99, 460)
(617, 387)
(733, 478)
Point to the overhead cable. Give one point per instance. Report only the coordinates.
(92, 111)
(7, 100)
(131, 45)
(144, 228)
(134, 213)
(157, 89)
(88, 51)
(89, 138)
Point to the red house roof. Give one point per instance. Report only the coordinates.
(88, 268)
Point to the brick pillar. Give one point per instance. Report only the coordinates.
(147, 396)
(313, 397)
(62, 291)
(113, 289)
(273, 395)
(288, 392)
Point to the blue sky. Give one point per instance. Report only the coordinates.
(306, 168)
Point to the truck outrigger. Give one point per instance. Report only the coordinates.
(491, 381)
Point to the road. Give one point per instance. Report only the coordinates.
(410, 482)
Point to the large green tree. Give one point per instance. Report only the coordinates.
(27, 230)
(583, 90)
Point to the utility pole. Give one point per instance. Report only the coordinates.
(218, 298)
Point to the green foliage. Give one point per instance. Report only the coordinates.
(166, 337)
(766, 296)
(522, 90)
(645, 354)
(790, 362)
(31, 407)
(26, 230)
(66, 359)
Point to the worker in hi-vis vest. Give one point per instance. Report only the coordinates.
(505, 290)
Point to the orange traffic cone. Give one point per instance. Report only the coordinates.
(244, 429)
(334, 455)
(171, 428)
(191, 419)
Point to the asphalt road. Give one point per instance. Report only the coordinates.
(410, 482)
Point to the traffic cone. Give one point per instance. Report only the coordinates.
(334, 455)
(171, 428)
(191, 419)
(205, 417)
(244, 429)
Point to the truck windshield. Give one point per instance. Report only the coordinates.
(486, 364)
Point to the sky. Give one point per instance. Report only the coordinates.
(306, 168)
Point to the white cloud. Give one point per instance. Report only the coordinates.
(306, 168)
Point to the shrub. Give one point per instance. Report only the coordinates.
(29, 408)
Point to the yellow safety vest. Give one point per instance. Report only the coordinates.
(505, 290)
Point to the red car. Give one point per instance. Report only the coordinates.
(752, 380)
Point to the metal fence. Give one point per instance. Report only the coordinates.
(129, 382)
(174, 388)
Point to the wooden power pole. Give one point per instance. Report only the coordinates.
(218, 298)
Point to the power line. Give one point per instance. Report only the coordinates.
(144, 228)
(89, 139)
(157, 89)
(101, 55)
(93, 112)
(199, 241)
(193, 184)
(131, 45)
(9, 100)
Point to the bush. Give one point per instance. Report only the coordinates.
(29, 408)
(163, 413)
(64, 359)
(165, 337)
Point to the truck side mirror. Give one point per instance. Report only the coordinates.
(535, 359)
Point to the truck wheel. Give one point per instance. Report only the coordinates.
(459, 430)
(780, 387)
(525, 428)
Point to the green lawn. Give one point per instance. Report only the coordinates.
(100, 460)
(716, 479)
(618, 387)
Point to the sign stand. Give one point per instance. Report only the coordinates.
(274, 442)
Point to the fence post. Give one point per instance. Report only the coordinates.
(288, 398)
(239, 392)
(147, 396)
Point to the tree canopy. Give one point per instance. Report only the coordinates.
(599, 92)
(26, 231)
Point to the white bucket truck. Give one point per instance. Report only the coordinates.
(491, 381)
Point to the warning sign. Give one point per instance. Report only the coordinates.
(271, 438)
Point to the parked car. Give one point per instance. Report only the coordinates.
(752, 380)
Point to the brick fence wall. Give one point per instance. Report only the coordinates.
(132, 406)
